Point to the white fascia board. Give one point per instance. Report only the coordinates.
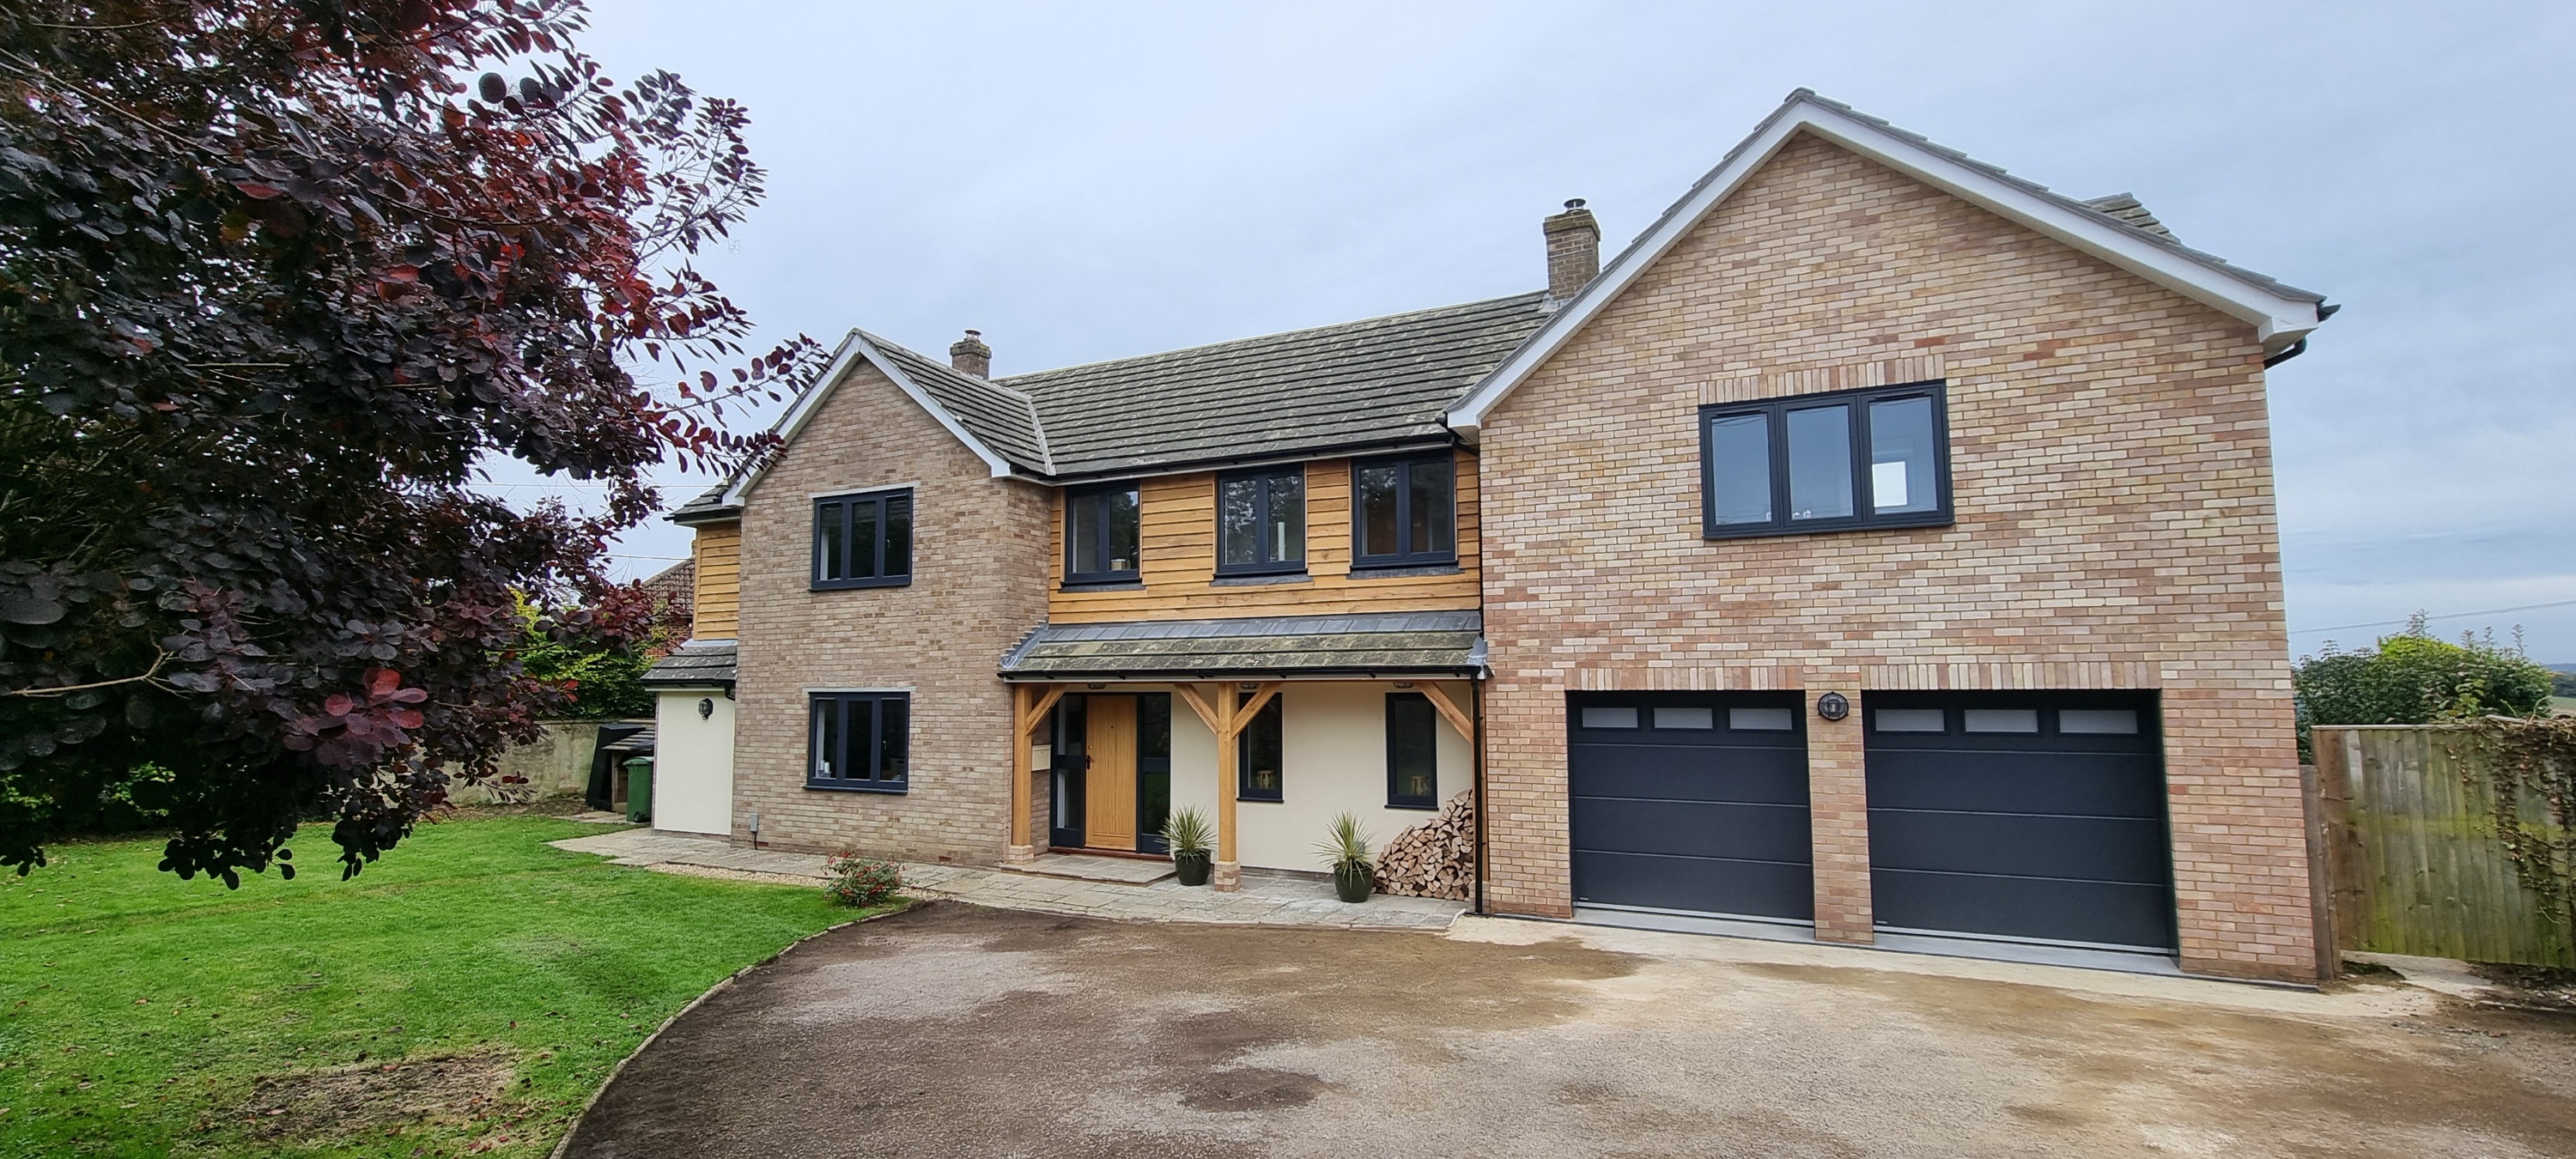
(854, 350)
(2278, 319)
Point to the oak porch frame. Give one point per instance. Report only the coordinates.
(1225, 715)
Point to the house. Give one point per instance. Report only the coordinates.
(1880, 549)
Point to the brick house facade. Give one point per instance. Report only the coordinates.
(976, 591)
(2104, 537)
(2114, 527)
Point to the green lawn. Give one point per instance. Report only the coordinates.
(462, 996)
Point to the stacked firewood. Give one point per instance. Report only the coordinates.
(1436, 858)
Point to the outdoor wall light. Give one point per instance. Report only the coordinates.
(1095, 687)
(1832, 706)
(706, 707)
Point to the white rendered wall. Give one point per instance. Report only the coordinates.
(1334, 737)
(693, 763)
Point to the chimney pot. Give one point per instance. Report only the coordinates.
(1573, 251)
(971, 356)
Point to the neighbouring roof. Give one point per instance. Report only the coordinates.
(1384, 644)
(677, 583)
(2115, 229)
(696, 663)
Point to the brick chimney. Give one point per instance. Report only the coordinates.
(1573, 251)
(971, 356)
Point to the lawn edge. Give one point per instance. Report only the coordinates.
(572, 1129)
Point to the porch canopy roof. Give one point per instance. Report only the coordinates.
(1385, 644)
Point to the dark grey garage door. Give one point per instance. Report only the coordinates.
(1691, 802)
(2020, 816)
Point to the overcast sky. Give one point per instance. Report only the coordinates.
(1091, 181)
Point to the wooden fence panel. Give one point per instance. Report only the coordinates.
(2413, 856)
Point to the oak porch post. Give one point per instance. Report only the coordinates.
(1227, 874)
(1028, 711)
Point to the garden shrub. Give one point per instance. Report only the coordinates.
(859, 881)
(2412, 678)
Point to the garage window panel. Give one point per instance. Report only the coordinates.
(2000, 720)
(1685, 716)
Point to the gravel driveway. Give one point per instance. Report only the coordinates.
(958, 1031)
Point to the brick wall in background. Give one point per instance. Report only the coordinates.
(2112, 477)
(979, 585)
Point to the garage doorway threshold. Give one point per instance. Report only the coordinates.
(1900, 941)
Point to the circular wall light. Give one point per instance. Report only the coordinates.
(1833, 706)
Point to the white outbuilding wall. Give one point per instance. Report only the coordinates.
(693, 762)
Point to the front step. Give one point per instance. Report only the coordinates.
(1087, 867)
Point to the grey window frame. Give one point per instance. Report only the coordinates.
(876, 781)
(1243, 790)
(1405, 556)
(1261, 519)
(847, 505)
(1095, 493)
(1864, 516)
(1431, 720)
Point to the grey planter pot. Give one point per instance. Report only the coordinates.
(1353, 881)
(1192, 865)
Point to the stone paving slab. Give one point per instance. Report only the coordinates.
(1089, 867)
(1265, 899)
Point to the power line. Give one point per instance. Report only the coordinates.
(2444, 616)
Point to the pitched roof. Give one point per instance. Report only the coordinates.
(2282, 314)
(1386, 643)
(677, 583)
(696, 663)
(1376, 381)
(1001, 416)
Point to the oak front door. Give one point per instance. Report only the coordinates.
(1109, 812)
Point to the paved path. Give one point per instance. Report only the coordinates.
(1264, 900)
(958, 1030)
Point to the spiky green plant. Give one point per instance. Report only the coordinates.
(1345, 843)
(1187, 831)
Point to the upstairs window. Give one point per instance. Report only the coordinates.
(859, 741)
(1261, 522)
(1831, 462)
(1100, 534)
(863, 541)
(1404, 512)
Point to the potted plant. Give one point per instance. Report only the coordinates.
(1186, 834)
(1346, 848)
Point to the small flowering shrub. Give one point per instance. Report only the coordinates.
(853, 880)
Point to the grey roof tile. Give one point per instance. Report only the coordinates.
(1002, 417)
(1375, 382)
(1446, 643)
(694, 663)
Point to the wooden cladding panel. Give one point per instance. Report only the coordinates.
(1177, 549)
(718, 599)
